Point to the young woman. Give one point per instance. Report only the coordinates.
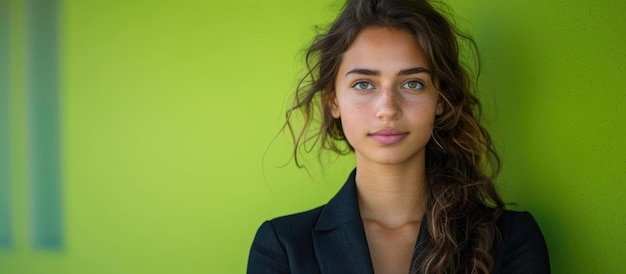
(386, 78)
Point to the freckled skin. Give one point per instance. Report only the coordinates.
(387, 104)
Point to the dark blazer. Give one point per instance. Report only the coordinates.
(331, 239)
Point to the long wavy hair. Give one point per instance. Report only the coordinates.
(461, 163)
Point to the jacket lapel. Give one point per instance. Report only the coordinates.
(339, 237)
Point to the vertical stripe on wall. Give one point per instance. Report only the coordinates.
(5, 190)
(42, 82)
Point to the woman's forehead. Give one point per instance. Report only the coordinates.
(384, 48)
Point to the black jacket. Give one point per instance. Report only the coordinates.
(331, 239)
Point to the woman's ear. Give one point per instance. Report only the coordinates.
(334, 106)
(439, 109)
(440, 102)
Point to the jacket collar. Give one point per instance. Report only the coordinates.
(341, 209)
(339, 237)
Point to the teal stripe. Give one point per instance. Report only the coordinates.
(44, 166)
(5, 190)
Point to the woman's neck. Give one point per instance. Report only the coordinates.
(390, 195)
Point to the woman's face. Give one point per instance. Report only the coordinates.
(385, 97)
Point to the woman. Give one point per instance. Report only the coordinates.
(386, 78)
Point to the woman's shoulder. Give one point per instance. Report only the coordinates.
(277, 238)
(296, 223)
(511, 220)
(289, 229)
(522, 248)
(518, 225)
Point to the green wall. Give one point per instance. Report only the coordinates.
(555, 71)
(170, 109)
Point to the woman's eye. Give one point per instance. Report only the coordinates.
(413, 85)
(362, 85)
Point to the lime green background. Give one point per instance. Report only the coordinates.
(170, 111)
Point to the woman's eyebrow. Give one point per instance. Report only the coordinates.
(364, 72)
(414, 71)
(372, 72)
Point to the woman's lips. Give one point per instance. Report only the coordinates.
(388, 136)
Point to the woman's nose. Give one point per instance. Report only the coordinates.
(389, 105)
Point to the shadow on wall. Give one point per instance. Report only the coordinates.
(509, 76)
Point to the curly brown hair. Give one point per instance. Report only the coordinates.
(461, 163)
